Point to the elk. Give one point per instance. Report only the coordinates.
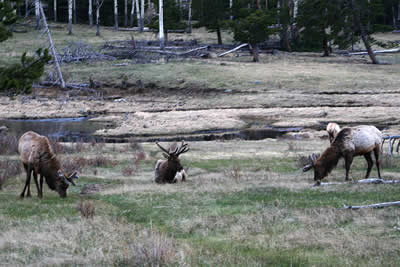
(349, 142)
(166, 170)
(333, 129)
(38, 157)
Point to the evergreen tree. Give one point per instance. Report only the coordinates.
(316, 19)
(254, 29)
(213, 19)
(18, 78)
(8, 15)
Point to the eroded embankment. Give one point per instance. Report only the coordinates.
(172, 113)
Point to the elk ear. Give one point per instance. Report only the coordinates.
(307, 167)
(165, 155)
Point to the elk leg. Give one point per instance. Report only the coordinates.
(348, 159)
(370, 164)
(378, 162)
(36, 182)
(27, 181)
(41, 186)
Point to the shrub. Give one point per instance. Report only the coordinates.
(9, 169)
(86, 209)
(8, 145)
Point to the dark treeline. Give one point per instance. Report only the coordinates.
(386, 11)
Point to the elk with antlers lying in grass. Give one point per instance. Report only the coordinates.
(166, 170)
(38, 157)
(349, 142)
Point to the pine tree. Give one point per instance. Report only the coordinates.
(254, 29)
(18, 78)
(213, 19)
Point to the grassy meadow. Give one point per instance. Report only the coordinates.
(245, 203)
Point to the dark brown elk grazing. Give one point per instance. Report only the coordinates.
(333, 129)
(38, 157)
(350, 142)
(166, 170)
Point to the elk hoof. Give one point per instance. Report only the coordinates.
(318, 183)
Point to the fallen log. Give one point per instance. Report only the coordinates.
(378, 205)
(365, 181)
(232, 50)
(171, 53)
(396, 50)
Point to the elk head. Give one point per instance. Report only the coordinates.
(172, 155)
(63, 181)
(318, 171)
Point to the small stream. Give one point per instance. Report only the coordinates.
(61, 129)
(81, 129)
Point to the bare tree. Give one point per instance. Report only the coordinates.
(190, 17)
(37, 13)
(98, 3)
(74, 10)
(141, 15)
(115, 14)
(90, 13)
(137, 13)
(55, 10)
(161, 23)
(132, 12)
(52, 48)
(125, 13)
(69, 16)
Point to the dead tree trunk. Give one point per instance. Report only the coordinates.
(98, 6)
(138, 14)
(254, 52)
(190, 17)
(115, 14)
(161, 23)
(37, 14)
(125, 13)
(132, 13)
(74, 11)
(90, 13)
(55, 10)
(141, 15)
(52, 49)
(219, 35)
(69, 17)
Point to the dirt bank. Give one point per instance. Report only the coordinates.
(192, 111)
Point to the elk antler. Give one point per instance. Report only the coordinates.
(183, 148)
(313, 158)
(162, 148)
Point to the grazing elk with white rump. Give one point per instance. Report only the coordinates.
(350, 142)
(38, 158)
(333, 129)
(166, 170)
